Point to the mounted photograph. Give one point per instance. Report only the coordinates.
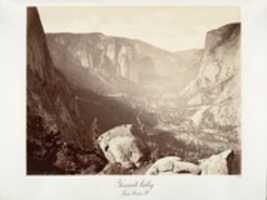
(133, 90)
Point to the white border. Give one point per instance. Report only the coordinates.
(14, 184)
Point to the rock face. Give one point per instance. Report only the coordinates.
(217, 164)
(53, 115)
(99, 61)
(49, 97)
(217, 86)
(189, 61)
(172, 165)
(119, 145)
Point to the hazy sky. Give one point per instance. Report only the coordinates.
(170, 28)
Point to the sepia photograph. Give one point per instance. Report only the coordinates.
(145, 90)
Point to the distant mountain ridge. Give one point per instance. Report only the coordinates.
(48, 93)
(107, 57)
(217, 85)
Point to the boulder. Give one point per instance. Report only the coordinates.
(119, 145)
(172, 165)
(217, 164)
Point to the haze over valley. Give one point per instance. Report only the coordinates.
(104, 104)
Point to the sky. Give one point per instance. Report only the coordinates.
(170, 28)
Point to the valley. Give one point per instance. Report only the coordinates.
(99, 104)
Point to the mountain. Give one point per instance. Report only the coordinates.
(106, 63)
(49, 96)
(51, 108)
(215, 93)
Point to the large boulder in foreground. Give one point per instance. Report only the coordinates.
(217, 164)
(119, 145)
(172, 165)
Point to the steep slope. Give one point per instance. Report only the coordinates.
(215, 93)
(49, 96)
(53, 115)
(105, 63)
(212, 100)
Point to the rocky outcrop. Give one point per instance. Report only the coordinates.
(172, 165)
(217, 87)
(119, 145)
(49, 97)
(221, 58)
(53, 115)
(217, 164)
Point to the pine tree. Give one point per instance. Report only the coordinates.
(95, 133)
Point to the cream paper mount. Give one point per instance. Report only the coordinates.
(109, 101)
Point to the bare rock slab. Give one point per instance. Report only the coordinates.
(119, 145)
(172, 165)
(217, 164)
